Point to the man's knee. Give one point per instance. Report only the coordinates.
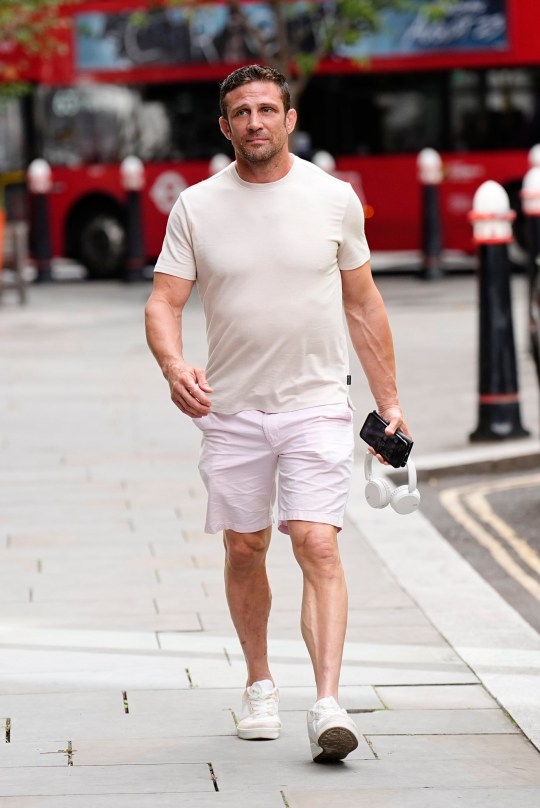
(245, 551)
(315, 545)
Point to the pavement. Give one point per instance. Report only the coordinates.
(120, 672)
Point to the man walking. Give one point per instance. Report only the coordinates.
(278, 252)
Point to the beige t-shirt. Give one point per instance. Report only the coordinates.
(267, 260)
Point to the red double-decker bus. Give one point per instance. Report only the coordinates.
(467, 84)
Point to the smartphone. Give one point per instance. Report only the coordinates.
(395, 449)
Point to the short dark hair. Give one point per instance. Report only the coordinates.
(245, 75)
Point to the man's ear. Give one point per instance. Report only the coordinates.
(224, 126)
(290, 120)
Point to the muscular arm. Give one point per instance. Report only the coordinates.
(163, 318)
(372, 340)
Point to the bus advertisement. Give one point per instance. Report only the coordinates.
(466, 84)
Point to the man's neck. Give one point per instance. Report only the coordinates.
(272, 171)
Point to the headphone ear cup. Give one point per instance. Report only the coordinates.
(378, 493)
(404, 501)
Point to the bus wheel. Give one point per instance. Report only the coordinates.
(102, 245)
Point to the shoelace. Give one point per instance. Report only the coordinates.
(262, 703)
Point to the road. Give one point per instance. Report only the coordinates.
(493, 521)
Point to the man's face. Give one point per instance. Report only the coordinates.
(256, 123)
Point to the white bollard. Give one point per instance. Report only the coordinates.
(430, 167)
(324, 161)
(530, 192)
(491, 216)
(132, 173)
(218, 163)
(534, 155)
(39, 177)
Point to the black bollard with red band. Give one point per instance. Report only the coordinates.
(430, 175)
(498, 402)
(39, 176)
(133, 179)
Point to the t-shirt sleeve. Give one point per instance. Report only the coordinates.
(353, 250)
(177, 257)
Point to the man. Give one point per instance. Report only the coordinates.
(277, 249)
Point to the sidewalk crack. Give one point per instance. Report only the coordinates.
(213, 776)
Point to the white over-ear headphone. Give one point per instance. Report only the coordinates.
(379, 493)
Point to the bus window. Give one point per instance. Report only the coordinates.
(492, 109)
(411, 119)
(192, 111)
(104, 123)
(12, 139)
(375, 114)
(94, 124)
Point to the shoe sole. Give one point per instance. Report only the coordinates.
(258, 734)
(336, 743)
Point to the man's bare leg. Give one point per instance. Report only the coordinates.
(324, 601)
(332, 733)
(249, 596)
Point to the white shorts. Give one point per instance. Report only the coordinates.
(310, 451)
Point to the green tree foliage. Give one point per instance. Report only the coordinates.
(27, 28)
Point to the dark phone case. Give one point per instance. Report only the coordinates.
(394, 448)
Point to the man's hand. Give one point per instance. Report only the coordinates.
(394, 418)
(188, 387)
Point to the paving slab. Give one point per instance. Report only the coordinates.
(14, 592)
(34, 718)
(96, 780)
(188, 596)
(95, 617)
(400, 635)
(265, 799)
(429, 797)
(21, 755)
(78, 670)
(58, 638)
(292, 746)
(369, 774)
(436, 722)
(416, 747)
(448, 697)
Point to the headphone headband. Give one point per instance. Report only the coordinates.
(411, 471)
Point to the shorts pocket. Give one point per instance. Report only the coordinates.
(338, 412)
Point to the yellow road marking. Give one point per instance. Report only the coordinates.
(479, 505)
(474, 495)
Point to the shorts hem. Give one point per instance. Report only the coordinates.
(219, 526)
(334, 519)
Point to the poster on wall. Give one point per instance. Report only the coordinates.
(215, 33)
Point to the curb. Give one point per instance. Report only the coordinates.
(477, 459)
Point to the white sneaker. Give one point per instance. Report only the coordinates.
(259, 717)
(332, 732)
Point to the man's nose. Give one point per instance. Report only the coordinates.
(254, 121)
